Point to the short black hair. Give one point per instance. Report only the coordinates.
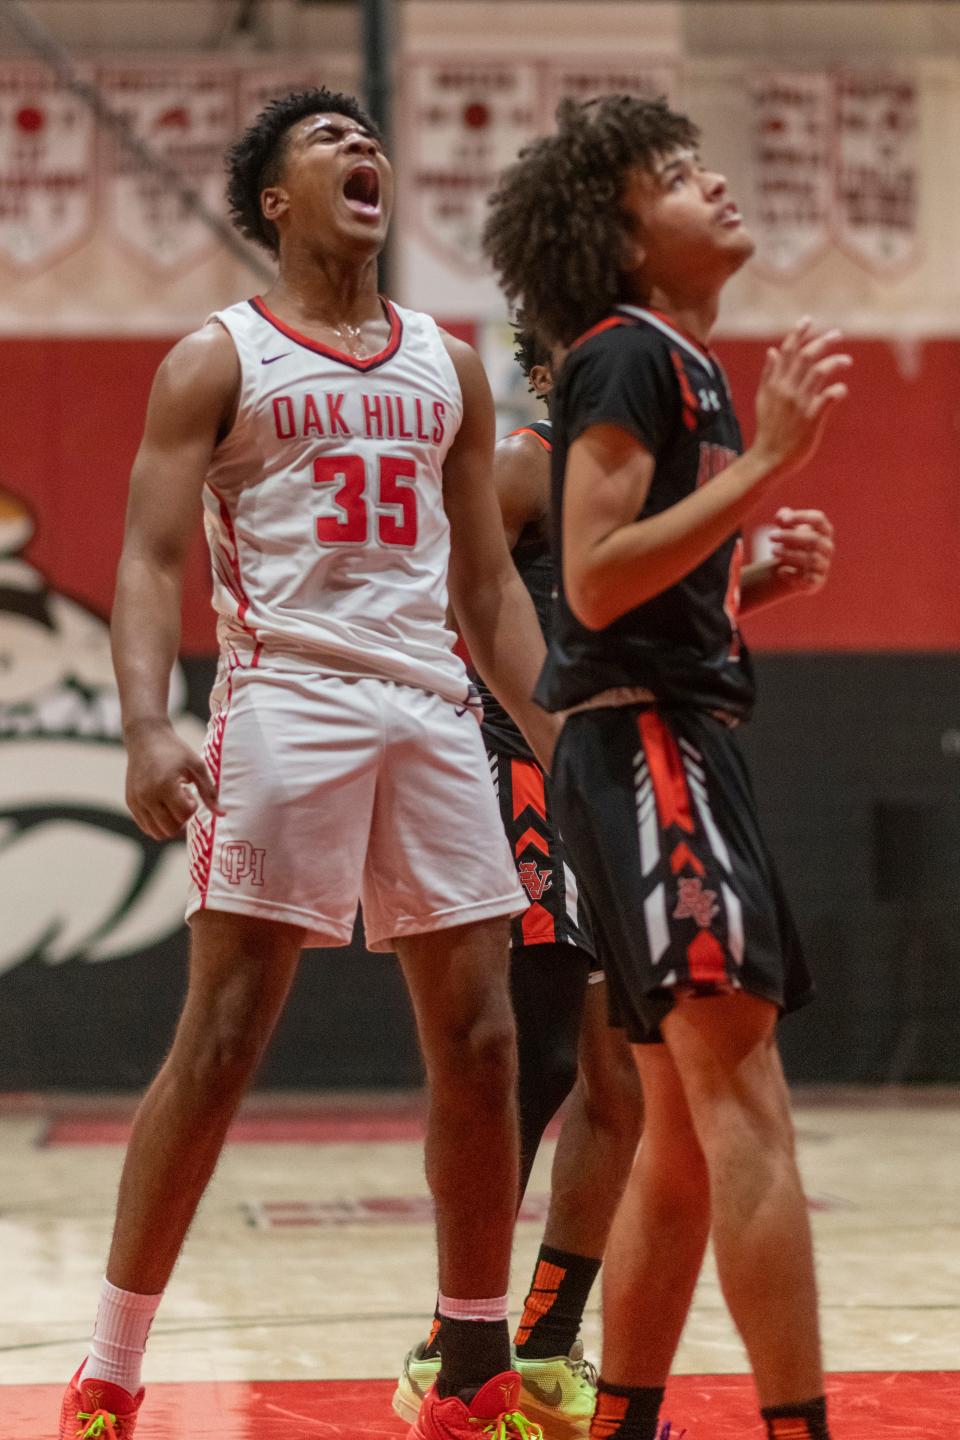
(555, 232)
(255, 159)
(530, 352)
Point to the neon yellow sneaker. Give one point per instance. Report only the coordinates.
(416, 1378)
(559, 1393)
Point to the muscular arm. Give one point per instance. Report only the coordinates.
(521, 478)
(494, 611)
(190, 404)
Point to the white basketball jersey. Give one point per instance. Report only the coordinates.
(323, 505)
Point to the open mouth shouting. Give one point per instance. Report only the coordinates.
(361, 191)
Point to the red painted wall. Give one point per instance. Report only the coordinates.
(888, 475)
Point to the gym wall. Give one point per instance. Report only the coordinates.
(856, 743)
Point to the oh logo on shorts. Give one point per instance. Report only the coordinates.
(239, 860)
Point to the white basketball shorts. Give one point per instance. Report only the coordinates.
(336, 790)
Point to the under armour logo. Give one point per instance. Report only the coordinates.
(239, 860)
(534, 881)
(694, 902)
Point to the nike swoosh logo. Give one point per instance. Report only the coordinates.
(539, 1392)
(265, 360)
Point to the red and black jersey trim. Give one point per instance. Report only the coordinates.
(684, 334)
(611, 322)
(370, 363)
(529, 430)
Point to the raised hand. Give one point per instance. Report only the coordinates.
(802, 542)
(800, 384)
(164, 778)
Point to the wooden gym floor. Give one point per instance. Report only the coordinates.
(309, 1271)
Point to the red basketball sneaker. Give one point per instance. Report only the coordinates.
(492, 1412)
(96, 1410)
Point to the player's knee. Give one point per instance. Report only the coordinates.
(478, 1066)
(221, 1049)
(740, 1118)
(612, 1095)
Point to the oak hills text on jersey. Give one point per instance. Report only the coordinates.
(377, 416)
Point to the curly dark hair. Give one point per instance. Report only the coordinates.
(530, 351)
(256, 158)
(555, 231)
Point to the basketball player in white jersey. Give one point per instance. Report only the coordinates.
(340, 449)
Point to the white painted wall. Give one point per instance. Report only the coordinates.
(178, 25)
(714, 42)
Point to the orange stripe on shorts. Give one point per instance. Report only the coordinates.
(666, 772)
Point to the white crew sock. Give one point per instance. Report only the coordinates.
(120, 1337)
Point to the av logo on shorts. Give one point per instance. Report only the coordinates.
(239, 860)
(534, 881)
(694, 902)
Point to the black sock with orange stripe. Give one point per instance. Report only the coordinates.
(553, 1312)
(807, 1421)
(626, 1412)
(431, 1348)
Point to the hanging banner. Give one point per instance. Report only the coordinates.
(46, 167)
(186, 114)
(878, 169)
(582, 80)
(466, 121)
(791, 169)
(257, 87)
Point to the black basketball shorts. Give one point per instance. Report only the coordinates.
(557, 915)
(658, 814)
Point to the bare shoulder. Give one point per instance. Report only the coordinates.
(522, 459)
(521, 470)
(523, 444)
(206, 359)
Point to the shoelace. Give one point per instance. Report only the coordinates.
(100, 1427)
(511, 1425)
(586, 1370)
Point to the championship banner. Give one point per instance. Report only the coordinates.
(466, 122)
(790, 139)
(583, 80)
(257, 87)
(46, 168)
(186, 114)
(878, 169)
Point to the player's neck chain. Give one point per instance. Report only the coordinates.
(350, 338)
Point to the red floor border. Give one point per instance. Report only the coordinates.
(913, 1405)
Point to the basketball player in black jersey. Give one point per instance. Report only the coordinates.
(616, 242)
(564, 1043)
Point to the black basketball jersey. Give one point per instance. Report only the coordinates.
(534, 563)
(636, 370)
